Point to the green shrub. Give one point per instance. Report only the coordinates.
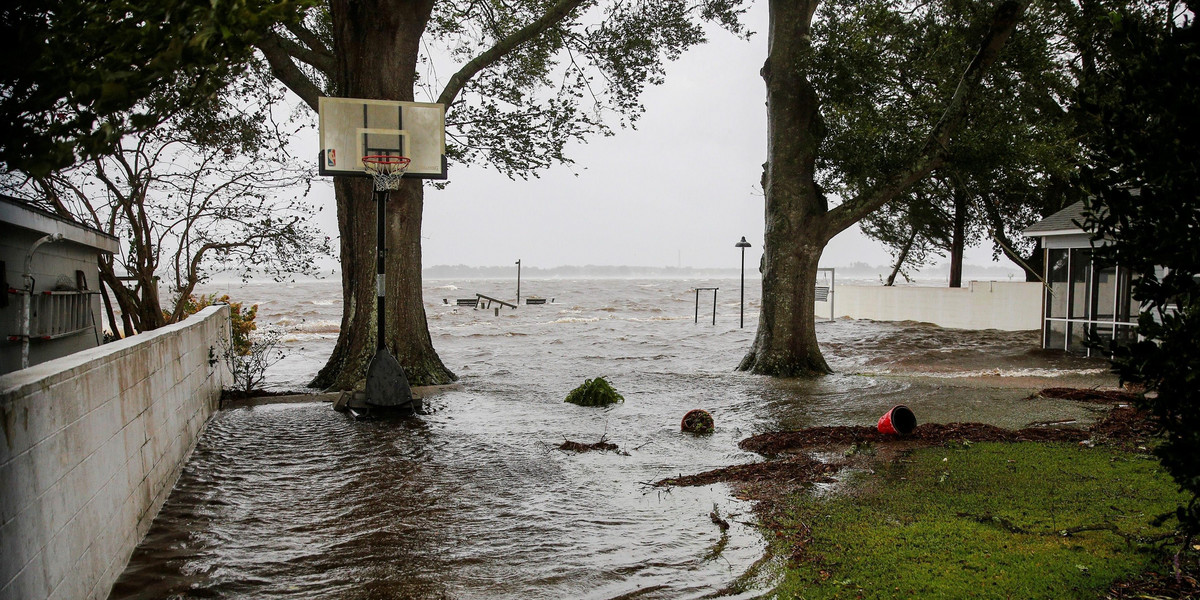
(594, 392)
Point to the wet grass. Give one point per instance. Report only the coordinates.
(985, 520)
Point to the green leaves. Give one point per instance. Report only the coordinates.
(1141, 101)
(571, 81)
(82, 72)
(594, 392)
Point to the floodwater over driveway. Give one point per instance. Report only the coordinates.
(474, 500)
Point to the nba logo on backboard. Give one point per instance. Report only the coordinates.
(331, 158)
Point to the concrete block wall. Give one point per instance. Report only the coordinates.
(91, 445)
(1004, 305)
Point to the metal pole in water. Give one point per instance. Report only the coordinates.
(742, 309)
(697, 318)
(714, 306)
(518, 282)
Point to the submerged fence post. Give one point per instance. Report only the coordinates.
(714, 291)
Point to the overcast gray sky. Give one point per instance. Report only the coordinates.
(679, 190)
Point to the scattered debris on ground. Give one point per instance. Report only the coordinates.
(1156, 585)
(929, 434)
(603, 445)
(796, 469)
(717, 519)
(1088, 395)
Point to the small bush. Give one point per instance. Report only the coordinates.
(594, 392)
(245, 354)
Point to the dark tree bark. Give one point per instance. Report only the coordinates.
(903, 256)
(376, 46)
(799, 222)
(958, 238)
(796, 229)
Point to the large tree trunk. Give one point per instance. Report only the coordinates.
(796, 230)
(376, 43)
(958, 240)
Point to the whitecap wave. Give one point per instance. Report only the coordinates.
(576, 320)
(306, 326)
(1024, 372)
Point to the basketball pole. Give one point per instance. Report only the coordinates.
(381, 198)
(387, 388)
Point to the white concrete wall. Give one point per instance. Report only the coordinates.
(1005, 305)
(91, 445)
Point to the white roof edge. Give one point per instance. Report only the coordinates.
(1027, 233)
(20, 216)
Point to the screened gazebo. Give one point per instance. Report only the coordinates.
(1081, 298)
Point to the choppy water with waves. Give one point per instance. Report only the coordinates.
(473, 500)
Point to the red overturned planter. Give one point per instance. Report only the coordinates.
(898, 421)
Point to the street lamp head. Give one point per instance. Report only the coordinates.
(742, 244)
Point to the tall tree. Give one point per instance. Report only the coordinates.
(1014, 154)
(806, 97)
(529, 77)
(1141, 100)
(78, 74)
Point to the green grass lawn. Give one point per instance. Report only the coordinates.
(988, 520)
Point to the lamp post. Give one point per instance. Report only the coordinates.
(742, 309)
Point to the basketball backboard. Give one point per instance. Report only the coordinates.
(351, 128)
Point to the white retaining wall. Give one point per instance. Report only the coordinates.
(1005, 305)
(91, 445)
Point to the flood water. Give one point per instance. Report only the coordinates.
(474, 500)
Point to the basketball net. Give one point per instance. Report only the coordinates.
(386, 169)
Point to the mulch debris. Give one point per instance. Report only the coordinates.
(1081, 395)
(929, 434)
(1155, 585)
(571, 446)
(798, 469)
(1125, 424)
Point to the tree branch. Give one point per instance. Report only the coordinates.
(288, 73)
(318, 57)
(502, 48)
(312, 40)
(933, 153)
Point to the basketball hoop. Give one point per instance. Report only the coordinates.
(387, 170)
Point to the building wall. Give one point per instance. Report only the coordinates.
(50, 262)
(1005, 305)
(91, 445)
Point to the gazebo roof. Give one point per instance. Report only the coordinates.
(1062, 222)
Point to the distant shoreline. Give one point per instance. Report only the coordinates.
(857, 272)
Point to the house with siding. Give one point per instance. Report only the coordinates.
(50, 306)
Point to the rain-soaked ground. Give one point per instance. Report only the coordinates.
(474, 500)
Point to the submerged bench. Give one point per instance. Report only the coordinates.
(488, 300)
